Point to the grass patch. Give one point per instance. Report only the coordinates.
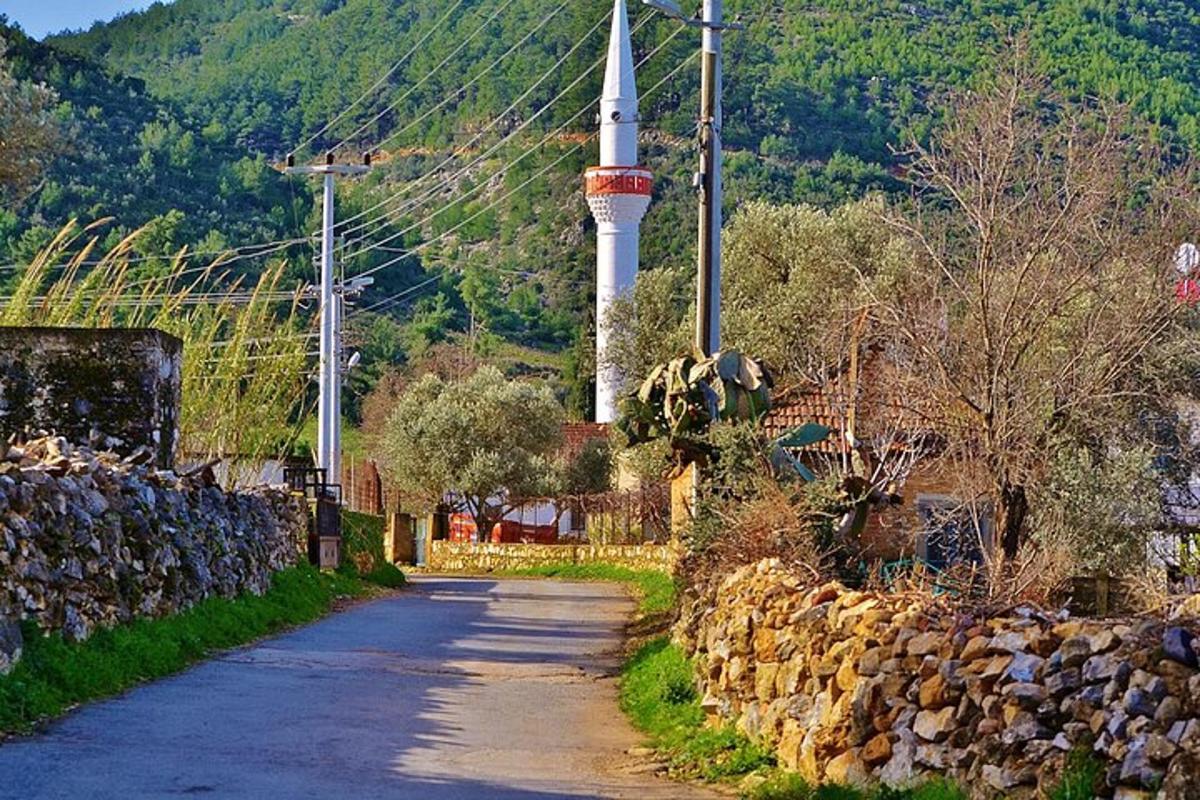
(655, 590)
(1081, 777)
(362, 541)
(54, 675)
(787, 786)
(658, 694)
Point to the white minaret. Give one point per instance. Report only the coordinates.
(618, 192)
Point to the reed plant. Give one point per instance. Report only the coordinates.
(246, 370)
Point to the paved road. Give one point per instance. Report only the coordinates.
(455, 688)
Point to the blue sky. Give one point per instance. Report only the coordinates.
(39, 17)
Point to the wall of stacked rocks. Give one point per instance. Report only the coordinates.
(449, 556)
(865, 687)
(93, 539)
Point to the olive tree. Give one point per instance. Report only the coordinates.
(482, 443)
(794, 286)
(798, 281)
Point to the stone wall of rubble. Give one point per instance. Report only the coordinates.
(862, 687)
(489, 557)
(90, 539)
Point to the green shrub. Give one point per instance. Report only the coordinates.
(362, 550)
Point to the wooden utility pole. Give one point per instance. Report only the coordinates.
(708, 179)
(708, 272)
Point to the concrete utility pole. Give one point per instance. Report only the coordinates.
(708, 179)
(329, 422)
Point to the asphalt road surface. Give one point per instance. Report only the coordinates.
(453, 689)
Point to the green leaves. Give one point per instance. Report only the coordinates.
(479, 438)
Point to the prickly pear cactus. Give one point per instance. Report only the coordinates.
(679, 400)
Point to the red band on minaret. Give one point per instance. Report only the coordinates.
(618, 180)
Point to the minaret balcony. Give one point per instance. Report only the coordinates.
(618, 180)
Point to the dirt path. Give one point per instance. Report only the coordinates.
(457, 688)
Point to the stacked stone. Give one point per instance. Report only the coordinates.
(448, 556)
(90, 539)
(864, 687)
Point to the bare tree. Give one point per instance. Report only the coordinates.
(1041, 289)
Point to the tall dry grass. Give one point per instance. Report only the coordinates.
(245, 364)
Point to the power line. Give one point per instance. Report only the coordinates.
(388, 301)
(327, 126)
(529, 151)
(499, 118)
(441, 210)
(269, 248)
(235, 298)
(474, 216)
(460, 89)
(502, 198)
(411, 203)
(396, 104)
(268, 340)
(263, 357)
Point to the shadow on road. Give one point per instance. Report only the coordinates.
(452, 689)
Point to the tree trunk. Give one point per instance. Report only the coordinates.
(483, 524)
(1012, 506)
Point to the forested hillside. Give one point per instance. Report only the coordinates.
(184, 106)
(807, 78)
(127, 154)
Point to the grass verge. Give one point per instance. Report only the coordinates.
(786, 786)
(54, 675)
(655, 590)
(362, 551)
(658, 694)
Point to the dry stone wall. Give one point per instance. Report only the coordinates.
(488, 557)
(90, 539)
(865, 687)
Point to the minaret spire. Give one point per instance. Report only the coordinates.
(619, 100)
(618, 193)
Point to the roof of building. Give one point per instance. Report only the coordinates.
(576, 436)
(884, 399)
(800, 407)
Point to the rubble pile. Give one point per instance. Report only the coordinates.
(90, 539)
(866, 687)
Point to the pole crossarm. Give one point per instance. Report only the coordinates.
(340, 170)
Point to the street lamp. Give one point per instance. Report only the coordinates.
(708, 179)
(672, 10)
